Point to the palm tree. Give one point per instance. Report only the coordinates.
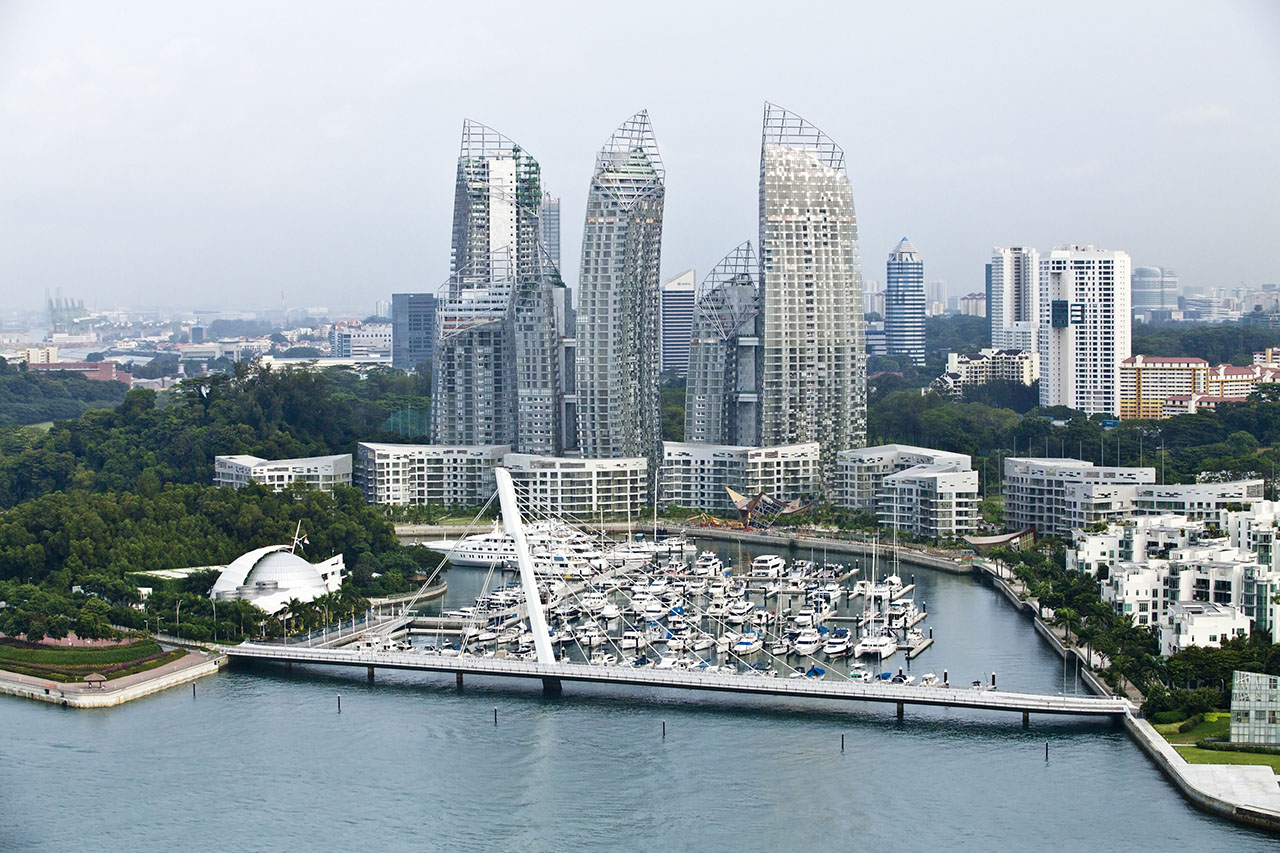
(1065, 616)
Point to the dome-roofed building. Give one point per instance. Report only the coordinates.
(271, 577)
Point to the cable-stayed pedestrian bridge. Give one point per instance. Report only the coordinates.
(553, 675)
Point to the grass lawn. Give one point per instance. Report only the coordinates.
(1217, 724)
(1194, 755)
(69, 664)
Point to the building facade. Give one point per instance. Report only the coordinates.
(696, 474)
(580, 489)
(722, 392)
(361, 340)
(1084, 330)
(617, 327)
(413, 330)
(314, 472)
(860, 473)
(1193, 623)
(415, 474)
(497, 377)
(1056, 496)
(1013, 301)
(1155, 293)
(938, 501)
(676, 318)
(1147, 382)
(904, 303)
(965, 370)
(1197, 501)
(814, 385)
(1255, 709)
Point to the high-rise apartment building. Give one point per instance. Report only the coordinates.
(676, 316)
(617, 326)
(549, 222)
(1155, 290)
(1084, 329)
(497, 377)
(413, 330)
(1147, 382)
(904, 303)
(814, 380)
(936, 300)
(722, 393)
(1013, 300)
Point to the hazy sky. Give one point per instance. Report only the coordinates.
(184, 154)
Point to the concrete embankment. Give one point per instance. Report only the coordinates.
(1246, 793)
(126, 689)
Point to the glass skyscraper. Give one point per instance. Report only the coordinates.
(814, 380)
(617, 322)
(722, 396)
(904, 307)
(497, 377)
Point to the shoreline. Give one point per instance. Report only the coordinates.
(196, 664)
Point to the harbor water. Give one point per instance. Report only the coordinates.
(262, 759)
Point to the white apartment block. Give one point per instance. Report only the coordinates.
(315, 472)
(860, 473)
(978, 368)
(414, 474)
(1084, 329)
(937, 501)
(360, 340)
(584, 489)
(1200, 624)
(1197, 501)
(1189, 404)
(696, 475)
(1014, 310)
(1133, 540)
(1055, 496)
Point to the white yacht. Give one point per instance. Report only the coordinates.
(610, 611)
(593, 601)
(808, 641)
(768, 566)
(739, 611)
(632, 640)
(707, 564)
(879, 646)
(748, 643)
(837, 643)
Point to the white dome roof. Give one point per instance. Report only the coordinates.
(289, 571)
(272, 563)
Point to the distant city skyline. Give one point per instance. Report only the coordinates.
(167, 154)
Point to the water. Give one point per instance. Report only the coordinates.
(262, 760)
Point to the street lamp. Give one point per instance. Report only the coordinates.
(177, 631)
(214, 601)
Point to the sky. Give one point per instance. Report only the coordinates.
(241, 155)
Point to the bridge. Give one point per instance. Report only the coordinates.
(554, 674)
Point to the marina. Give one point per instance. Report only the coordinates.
(716, 638)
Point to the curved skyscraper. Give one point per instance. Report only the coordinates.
(497, 377)
(722, 396)
(904, 303)
(814, 381)
(617, 326)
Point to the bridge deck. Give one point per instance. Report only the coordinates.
(747, 683)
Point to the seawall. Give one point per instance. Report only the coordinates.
(80, 696)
